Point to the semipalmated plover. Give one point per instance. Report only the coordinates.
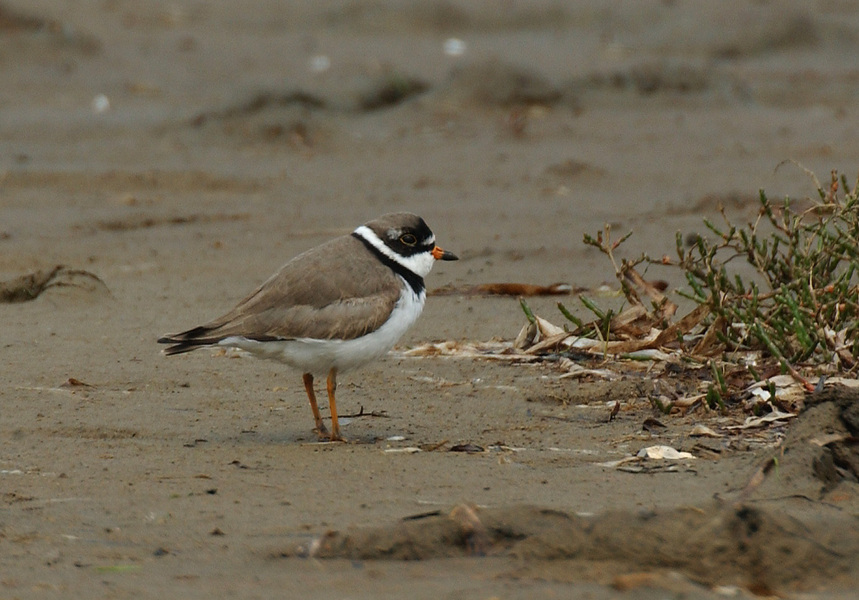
(333, 308)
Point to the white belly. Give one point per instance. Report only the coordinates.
(320, 356)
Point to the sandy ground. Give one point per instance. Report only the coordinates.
(182, 151)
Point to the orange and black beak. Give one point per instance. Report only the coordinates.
(439, 254)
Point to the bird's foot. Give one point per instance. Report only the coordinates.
(323, 435)
(336, 437)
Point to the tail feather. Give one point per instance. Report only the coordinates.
(188, 340)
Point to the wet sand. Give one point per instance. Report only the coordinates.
(182, 152)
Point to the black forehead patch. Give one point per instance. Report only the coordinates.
(392, 226)
(421, 233)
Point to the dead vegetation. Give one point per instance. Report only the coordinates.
(756, 346)
(796, 314)
(29, 287)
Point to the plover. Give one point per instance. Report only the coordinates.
(333, 308)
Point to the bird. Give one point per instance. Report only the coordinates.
(333, 308)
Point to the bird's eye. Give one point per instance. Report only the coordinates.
(408, 239)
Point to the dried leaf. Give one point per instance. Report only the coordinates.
(666, 307)
(689, 400)
(506, 289)
(825, 440)
(768, 418)
(710, 343)
(550, 343)
(651, 424)
(527, 336)
(548, 329)
(704, 431)
(663, 453)
(467, 448)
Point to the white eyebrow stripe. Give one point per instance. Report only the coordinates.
(370, 235)
(419, 263)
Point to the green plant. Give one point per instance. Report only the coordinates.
(799, 302)
(801, 305)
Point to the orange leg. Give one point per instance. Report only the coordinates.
(332, 406)
(321, 430)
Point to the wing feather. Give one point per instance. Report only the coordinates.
(329, 292)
